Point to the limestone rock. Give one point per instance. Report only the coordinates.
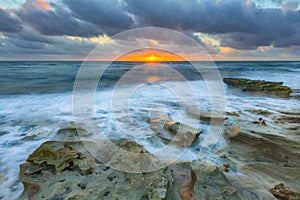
(284, 193)
(58, 154)
(131, 157)
(181, 134)
(211, 183)
(71, 132)
(214, 118)
(64, 170)
(184, 134)
(274, 88)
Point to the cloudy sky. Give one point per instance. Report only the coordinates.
(228, 29)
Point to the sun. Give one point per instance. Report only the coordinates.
(152, 57)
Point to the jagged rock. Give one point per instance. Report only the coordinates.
(131, 157)
(71, 132)
(284, 193)
(184, 134)
(131, 146)
(181, 134)
(226, 167)
(65, 170)
(58, 154)
(197, 180)
(274, 88)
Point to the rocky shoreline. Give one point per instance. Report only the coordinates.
(260, 159)
(255, 160)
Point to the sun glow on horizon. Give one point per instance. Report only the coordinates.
(150, 56)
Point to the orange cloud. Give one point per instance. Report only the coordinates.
(207, 42)
(39, 4)
(226, 50)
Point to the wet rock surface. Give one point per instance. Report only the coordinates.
(71, 132)
(257, 156)
(184, 134)
(284, 193)
(273, 88)
(264, 154)
(64, 170)
(211, 183)
(209, 117)
(175, 133)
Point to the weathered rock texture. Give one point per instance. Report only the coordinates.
(273, 88)
(175, 133)
(257, 157)
(64, 170)
(263, 154)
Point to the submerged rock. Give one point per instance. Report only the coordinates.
(274, 88)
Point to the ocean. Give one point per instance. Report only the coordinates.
(36, 101)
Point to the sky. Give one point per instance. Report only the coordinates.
(227, 29)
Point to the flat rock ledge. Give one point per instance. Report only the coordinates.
(267, 87)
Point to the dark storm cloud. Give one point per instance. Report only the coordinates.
(206, 16)
(58, 21)
(8, 23)
(31, 36)
(107, 14)
(240, 23)
(244, 41)
(31, 42)
(80, 18)
(276, 28)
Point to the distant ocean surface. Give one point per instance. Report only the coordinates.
(36, 101)
(53, 77)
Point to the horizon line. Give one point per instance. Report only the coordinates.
(149, 62)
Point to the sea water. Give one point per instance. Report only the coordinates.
(36, 100)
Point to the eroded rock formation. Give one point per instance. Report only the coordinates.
(273, 88)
